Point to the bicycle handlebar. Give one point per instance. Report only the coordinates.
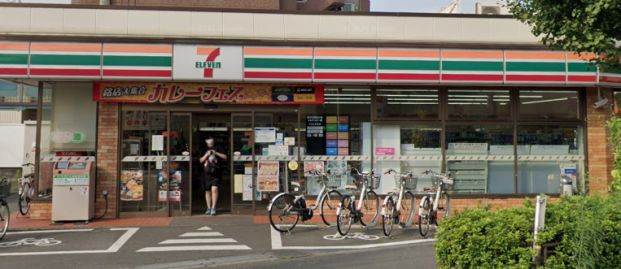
(389, 171)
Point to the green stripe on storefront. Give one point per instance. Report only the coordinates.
(165, 61)
(13, 58)
(344, 64)
(581, 67)
(471, 66)
(60, 59)
(409, 65)
(278, 63)
(535, 67)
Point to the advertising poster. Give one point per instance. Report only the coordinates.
(169, 185)
(264, 135)
(267, 176)
(131, 185)
(313, 165)
(247, 193)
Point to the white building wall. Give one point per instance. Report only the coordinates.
(12, 144)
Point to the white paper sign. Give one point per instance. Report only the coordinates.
(289, 141)
(157, 143)
(277, 150)
(264, 135)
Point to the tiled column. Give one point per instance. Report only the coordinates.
(107, 158)
(600, 152)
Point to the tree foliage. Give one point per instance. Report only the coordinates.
(582, 26)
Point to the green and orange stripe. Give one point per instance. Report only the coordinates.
(579, 69)
(535, 67)
(149, 61)
(14, 59)
(278, 63)
(345, 64)
(53, 59)
(472, 66)
(408, 65)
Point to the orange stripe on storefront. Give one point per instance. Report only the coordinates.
(462, 54)
(14, 46)
(345, 52)
(65, 47)
(409, 53)
(204, 51)
(138, 48)
(583, 56)
(279, 51)
(538, 55)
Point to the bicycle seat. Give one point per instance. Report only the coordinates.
(427, 189)
(295, 184)
(29, 175)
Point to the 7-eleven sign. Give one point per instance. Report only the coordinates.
(204, 62)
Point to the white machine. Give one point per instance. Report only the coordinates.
(73, 196)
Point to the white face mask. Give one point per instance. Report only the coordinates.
(209, 142)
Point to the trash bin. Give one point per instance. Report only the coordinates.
(567, 188)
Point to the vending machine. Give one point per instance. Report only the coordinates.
(73, 189)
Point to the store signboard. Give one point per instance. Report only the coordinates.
(171, 92)
(204, 62)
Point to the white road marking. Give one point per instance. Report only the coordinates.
(198, 241)
(129, 232)
(199, 234)
(194, 248)
(50, 231)
(277, 244)
(204, 228)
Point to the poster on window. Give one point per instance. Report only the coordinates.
(132, 185)
(313, 165)
(169, 184)
(267, 176)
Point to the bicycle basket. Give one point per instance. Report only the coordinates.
(374, 182)
(411, 182)
(5, 188)
(333, 181)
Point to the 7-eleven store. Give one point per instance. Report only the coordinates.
(507, 115)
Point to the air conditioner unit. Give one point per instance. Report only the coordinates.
(489, 9)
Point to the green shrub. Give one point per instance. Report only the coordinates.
(586, 228)
(479, 238)
(614, 125)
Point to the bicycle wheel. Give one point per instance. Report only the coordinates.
(4, 218)
(444, 204)
(329, 204)
(344, 216)
(284, 213)
(388, 217)
(370, 209)
(424, 216)
(408, 207)
(24, 199)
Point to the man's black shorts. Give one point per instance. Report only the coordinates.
(210, 180)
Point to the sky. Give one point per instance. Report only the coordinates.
(467, 6)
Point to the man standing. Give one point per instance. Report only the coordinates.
(212, 174)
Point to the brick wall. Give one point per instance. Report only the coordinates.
(40, 210)
(107, 158)
(599, 150)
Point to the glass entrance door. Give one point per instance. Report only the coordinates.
(243, 168)
(179, 165)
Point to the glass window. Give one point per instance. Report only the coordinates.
(549, 105)
(68, 126)
(481, 158)
(339, 127)
(479, 104)
(411, 104)
(545, 152)
(407, 148)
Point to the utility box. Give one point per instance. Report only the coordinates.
(73, 189)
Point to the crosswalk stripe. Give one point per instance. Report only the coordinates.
(204, 228)
(189, 248)
(198, 234)
(198, 241)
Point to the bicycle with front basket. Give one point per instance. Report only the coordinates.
(366, 209)
(399, 206)
(286, 208)
(436, 198)
(5, 188)
(26, 190)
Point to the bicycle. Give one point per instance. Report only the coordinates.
(399, 207)
(435, 198)
(287, 207)
(5, 217)
(368, 204)
(26, 191)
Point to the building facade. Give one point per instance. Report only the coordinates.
(138, 91)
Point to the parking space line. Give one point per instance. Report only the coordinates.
(198, 234)
(204, 228)
(198, 241)
(115, 247)
(194, 248)
(50, 231)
